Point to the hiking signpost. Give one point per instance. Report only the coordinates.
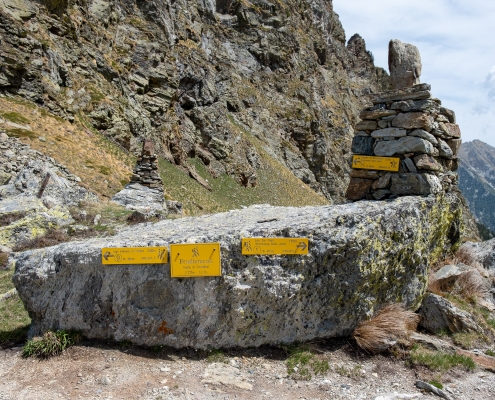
(274, 246)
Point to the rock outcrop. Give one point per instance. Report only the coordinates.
(438, 314)
(204, 79)
(36, 194)
(411, 127)
(361, 256)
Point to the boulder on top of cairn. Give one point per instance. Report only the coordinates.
(145, 191)
(408, 124)
(404, 62)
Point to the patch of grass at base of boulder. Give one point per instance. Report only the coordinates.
(14, 319)
(302, 364)
(439, 361)
(50, 344)
(216, 356)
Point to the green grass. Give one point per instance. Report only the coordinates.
(6, 283)
(490, 353)
(302, 364)
(50, 344)
(216, 356)
(354, 372)
(14, 319)
(21, 133)
(273, 188)
(439, 361)
(15, 118)
(436, 384)
(469, 340)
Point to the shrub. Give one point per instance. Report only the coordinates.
(383, 331)
(50, 344)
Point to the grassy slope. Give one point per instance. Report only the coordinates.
(103, 167)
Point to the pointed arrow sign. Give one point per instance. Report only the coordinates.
(301, 246)
(107, 255)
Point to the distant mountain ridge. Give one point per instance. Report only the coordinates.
(477, 181)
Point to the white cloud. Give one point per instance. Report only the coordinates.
(455, 41)
(490, 83)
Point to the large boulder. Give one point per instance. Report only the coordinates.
(361, 257)
(404, 63)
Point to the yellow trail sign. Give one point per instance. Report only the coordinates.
(193, 260)
(275, 246)
(378, 163)
(134, 255)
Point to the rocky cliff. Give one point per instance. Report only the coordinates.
(477, 182)
(203, 78)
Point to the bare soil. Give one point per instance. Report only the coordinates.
(95, 370)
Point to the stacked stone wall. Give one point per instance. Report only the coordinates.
(410, 125)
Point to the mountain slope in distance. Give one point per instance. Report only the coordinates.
(477, 181)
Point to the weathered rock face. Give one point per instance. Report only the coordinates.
(404, 63)
(202, 78)
(361, 256)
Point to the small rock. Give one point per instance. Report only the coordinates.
(437, 314)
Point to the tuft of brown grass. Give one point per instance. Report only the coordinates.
(392, 324)
(4, 258)
(471, 286)
(50, 238)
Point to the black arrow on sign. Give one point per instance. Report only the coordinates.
(107, 255)
(301, 246)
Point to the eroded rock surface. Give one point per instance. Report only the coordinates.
(361, 256)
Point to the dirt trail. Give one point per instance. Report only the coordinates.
(99, 371)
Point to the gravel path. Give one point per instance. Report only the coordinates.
(98, 371)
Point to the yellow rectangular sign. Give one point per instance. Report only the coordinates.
(134, 255)
(193, 260)
(378, 163)
(275, 246)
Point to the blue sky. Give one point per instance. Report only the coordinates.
(456, 40)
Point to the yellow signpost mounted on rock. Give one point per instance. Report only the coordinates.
(134, 255)
(195, 260)
(376, 163)
(274, 246)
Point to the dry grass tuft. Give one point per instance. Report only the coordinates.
(465, 255)
(390, 325)
(471, 286)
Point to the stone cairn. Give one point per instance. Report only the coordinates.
(146, 170)
(408, 124)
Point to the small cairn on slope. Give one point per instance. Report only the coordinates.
(146, 169)
(415, 137)
(144, 193)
